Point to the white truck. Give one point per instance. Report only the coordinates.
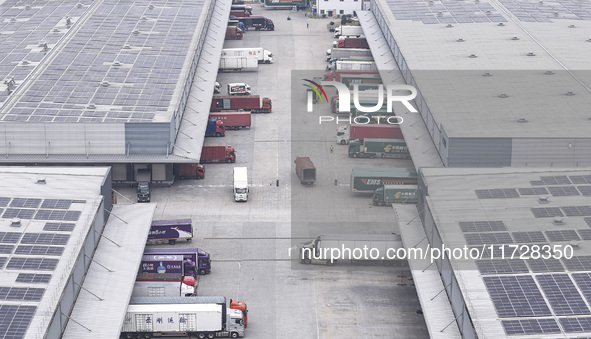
(238, 88)
(262, 55)
(328, 249)
(240, 184)
(153, 285)
(352, 31)
(238, 63)
(203, 317)
(336, 53)
(357, 65)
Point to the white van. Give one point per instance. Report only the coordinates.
(240, 184)
(238, 88)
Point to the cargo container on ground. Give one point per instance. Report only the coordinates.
(305, 170)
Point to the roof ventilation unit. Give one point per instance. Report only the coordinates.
(151, 6)
(116, 63)
(15, 222)
(449, 26)
(543, 199)
(79, 5)
(25, 62)
(503, 95)
(514, 38)
(473, 56)
(549, 73)
(144, 18)
(27, 6)
(41, 181)
(541, 2)
(486, 74)
(558, 221)
(68, 21)
(126, 47)
(105, 83)
(488, 12)
(91, 106)
(522, 120)
(531, 54)
(439, 13)
(460, 40)
(589, 40)
(136, 32)
(569, 93)
(477, 1)
(576, 245)
(430, 2)
(501, 24)
(56, 30)
(571, 26)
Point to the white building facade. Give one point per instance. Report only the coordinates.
(333, 8)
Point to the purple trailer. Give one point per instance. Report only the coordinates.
(196, 255)
(170, 230)
(163, 263)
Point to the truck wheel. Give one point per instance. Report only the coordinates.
(201, 335)
(147, 335)
(354, 155)
(372, 156)
(343, 142)
(218, 134)
(234, 335)
(267, 61)
(171, 242)
(210, 335)
(307, 261)
(202, 271)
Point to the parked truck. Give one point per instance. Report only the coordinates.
(367, 180)
(241, 8)
(305, 170)
(170, 231)
(378, 147)
(333, 61)
(345, 133)
(172, 264)
(258, 22)
(239, 13)
(357, 65)
(238, 88)
(262, 55)
(348, 31)
(202, 317)
(238, 24)
(350, 79)
(233, 119)
(389, 194)
(237, 64)
(336, 74)
(189, 171)
(347, 53)
(250, 103)
(199, 258)
(287, 3)
(352, 43)
(233, 33)
(328, 249)
(215, 128)
(152, 285)
(143, 178)
(217, 153)
(240, 184)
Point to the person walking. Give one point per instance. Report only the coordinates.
(307, 25)
(331, 148)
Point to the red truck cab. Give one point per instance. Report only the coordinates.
(239, 305)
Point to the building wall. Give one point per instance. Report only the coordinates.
(479, 152)
(551, 152)
(338, 7)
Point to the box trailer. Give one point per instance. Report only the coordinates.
(345, 133)
(356, 248)
(233, 119)
(389, 194)
(336, 53)
(336, 74)
(287, 3)
(357, 65)
(379, 148)
(305, 170)
(184, 287)
(356, 31)
(351, 42)
(261, 54)
(238, 64)
(239, 88)
(170, 231)
(367, 180)
(258, 22)
(233, 33)
(252, 103)
(199, 258)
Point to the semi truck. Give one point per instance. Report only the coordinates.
(170, 231)
(345, 133)
(378, 147)
(199, 258)
(217, 153)
(336, 74)
(250, 103)
(233, 119)
(328, 249)
(174, 285)
(241, 8)
(258, 22)
(238, 24)
(305, 170)
(166, 264)
(237, 64)
(202, 317)
(357, 65)
(332, 63)
(215, 128)
(350, 79)
(348, 31)
(240, 184)
(347, 53)
(143, 178)
(389, 194)
(353, 43)
(287, 3)
(233, 33)
(189, 171)
(367, 180)
(262, 55)
(239, 13)
(238, 88)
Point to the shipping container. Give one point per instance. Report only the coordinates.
(217, 153)
(345, 133)
(250, 103)
(233, 119)
(305, 170)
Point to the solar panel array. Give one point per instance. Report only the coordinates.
(6, 249)
(45, 238)
(21, 293)
(501, 266)
(546, 212)
(533, 191)
(563, 296)
(530, 326)
(585, 190)
(445, 11)
(576, 324)
(497, 193)
(545, 265)
(488, 238)
(35, 278)
(583, 280)
(548, 11)
(562, 191)
(573, 211)
(516, 296)
(35, 264)
(585, 234)
(28, 208)
(580, 179)
(59, 226)
(15, 320)
(527, 237)
(10, 237)
(578, 263)
(39, 250)
(562, 235)
(482, 226)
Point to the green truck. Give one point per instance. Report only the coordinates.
(367, 180)
(381, 148)
(348, 79)
(287, 3)
(389, 194)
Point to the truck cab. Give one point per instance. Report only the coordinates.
(356, 151)
(238, 88)
(343, 135)
(143, 177)
(240, 184)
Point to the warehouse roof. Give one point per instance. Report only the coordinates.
(511, 297)
(482, 65)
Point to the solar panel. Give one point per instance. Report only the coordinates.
(25, 202)
(21, 293)
(585, 234)
(78, 201)
(499, 193)
(585, 190)
(4, 201)
(57, 215)
(501, 266)
(39, 250)
(482, 226)
(563, 296)
(546, 212)
(2, 261)
(530, 326)
(45, 238)
(536, 183)
(562, 235)
(556, 180)
(583, 280)
(575, 324)
(562, 191)
(545, 265)
(22, 213)
(574, 211)
(533, 191)
(516, 296)
(580, 179)
(22, 263)
(525, 237)
(15, 320)
(578, 263)
(59, 226)
(56, 203)
(588, 221)
(488, 238)
(33, 278)
(7, 249)
(10, 237)
(497, 252)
